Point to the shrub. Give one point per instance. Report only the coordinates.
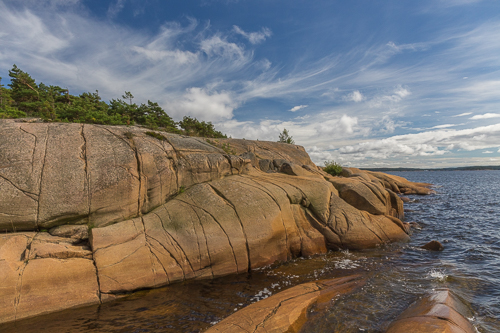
(332, 168)
(156, 135)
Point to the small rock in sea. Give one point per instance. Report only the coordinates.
(415, 225)
(433, 246)
(405, 199)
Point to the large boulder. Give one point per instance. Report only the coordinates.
(440, 312)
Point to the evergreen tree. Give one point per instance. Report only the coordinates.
(285, 137)
(128, 95)
(194, 127)
(24, 91)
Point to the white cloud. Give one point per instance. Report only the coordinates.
(254, 37)
(443, 126)
(486, 116)
(342, 125)
(219, 46)
(463, 114)
(395, 97)
(298, 107)
(355, 96)
(487, 152)
(202, 104)
(427, 143)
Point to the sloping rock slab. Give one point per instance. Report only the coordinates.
(287, 310)
(441, 312)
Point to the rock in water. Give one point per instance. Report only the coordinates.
(440, 312)
(433, 246)
(286, 311)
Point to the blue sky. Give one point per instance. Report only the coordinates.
(366, 83)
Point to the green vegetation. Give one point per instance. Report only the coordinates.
(26, 98)
(285, 137)
(194, 127)
(157, 136)
(332, 168)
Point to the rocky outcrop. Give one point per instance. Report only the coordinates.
(286, 311)
(439, 312)
(395, 183)
(124, 210)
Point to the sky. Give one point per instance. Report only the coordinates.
(367, 83)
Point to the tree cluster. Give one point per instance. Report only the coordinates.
(25, 98)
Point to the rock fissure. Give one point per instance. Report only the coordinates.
(220, 226)
(41, 177)
(206, 242)
(27, 193)
(367, 227)
(177, 243)
(87, 174)
(34, 147)
(277, 204)
(154, 255)
(122, 259)
(230, 204)
(171, 255)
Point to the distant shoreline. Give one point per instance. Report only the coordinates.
(468, 168)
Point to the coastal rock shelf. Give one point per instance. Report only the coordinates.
(89, 211)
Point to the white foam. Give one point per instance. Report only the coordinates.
(437, 275)
(346, 264)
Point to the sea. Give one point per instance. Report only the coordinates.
(463, 214)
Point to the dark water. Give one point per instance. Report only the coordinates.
(464, 215)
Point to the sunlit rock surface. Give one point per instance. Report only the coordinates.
(286, 311)
(440, 312)
(89, 211)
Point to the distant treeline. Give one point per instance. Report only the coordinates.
(467, 168)
(25, 98)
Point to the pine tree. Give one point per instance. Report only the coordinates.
(285, 137)
(24, 91)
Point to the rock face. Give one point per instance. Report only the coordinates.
(126, 211)
(440, 312)
(286, 311)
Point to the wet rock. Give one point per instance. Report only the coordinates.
(433, 246)
(415, 225)
(286, 311)
(405, 199)
(441, 311)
